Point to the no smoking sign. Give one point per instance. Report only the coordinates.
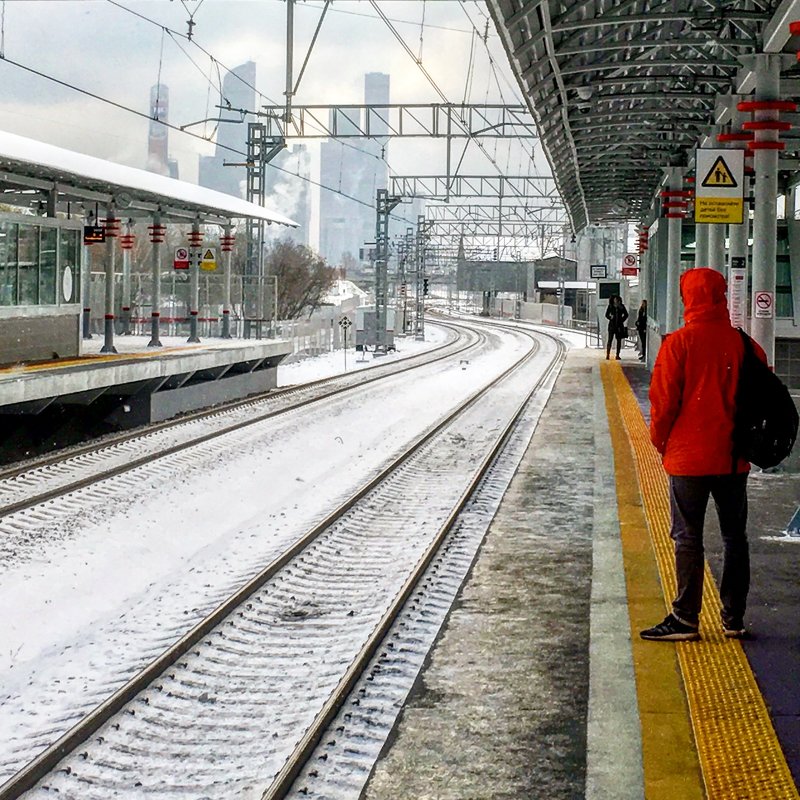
(763, 304)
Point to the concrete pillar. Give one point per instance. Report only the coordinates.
(674, 226)
(765, 229)
(739, 234)
(701, 245)
(716, 246)
(156, 238)
(195, 247)
(111, 252)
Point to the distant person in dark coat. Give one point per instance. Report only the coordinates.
(616, 314)
(641, 327)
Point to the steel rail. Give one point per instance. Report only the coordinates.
(222, 408)
(47, 760)
(82, 483)
(285, 779)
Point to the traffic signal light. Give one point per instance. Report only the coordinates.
(424, 286)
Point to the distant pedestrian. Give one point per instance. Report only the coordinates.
(692, 406)
(616, 314)
(641, 328)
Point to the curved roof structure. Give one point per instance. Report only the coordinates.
(622, 88)
(27, 164)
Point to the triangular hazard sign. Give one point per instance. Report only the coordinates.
(720, 175)
(208, 255)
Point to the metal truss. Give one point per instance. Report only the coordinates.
(434, 120)
(537, 212)
(637, 78)
(443, 187)
(504, 229)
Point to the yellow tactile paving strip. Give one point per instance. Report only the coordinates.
(90, 359)
(739, 753)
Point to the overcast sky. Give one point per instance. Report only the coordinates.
(102, 48)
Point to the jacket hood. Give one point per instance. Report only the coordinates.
(704, 295)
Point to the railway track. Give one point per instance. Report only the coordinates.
(205, 680)
(46, 479)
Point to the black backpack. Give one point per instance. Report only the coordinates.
(765, 421)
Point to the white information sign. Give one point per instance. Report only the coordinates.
(763, 305)
(737, 297)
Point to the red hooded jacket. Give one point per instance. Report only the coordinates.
(693, 386)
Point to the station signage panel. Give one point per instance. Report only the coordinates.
(94, 234)
(737, 292)
(719, 187)
(629, 267)
(598, 271)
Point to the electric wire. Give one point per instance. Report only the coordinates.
(177, 129)
(173, 33)
(436, 88)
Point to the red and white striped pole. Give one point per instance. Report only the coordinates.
(226, 245)
(111, 224)
(158, 233)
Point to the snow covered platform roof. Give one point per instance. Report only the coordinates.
(31, 172)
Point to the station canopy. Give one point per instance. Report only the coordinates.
(620, 89)
(33, 173)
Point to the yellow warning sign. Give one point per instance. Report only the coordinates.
(208, 263)
(719, 210)
(720, 175)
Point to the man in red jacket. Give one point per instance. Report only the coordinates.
(692, 398)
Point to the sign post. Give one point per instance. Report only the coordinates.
(719, 191)
(344, 324)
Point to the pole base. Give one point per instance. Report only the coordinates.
(193, 340)
(154, 343)
(108, 348)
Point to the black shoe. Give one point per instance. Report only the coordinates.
(671, 630)
(734, 629)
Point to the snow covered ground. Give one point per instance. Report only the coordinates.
(138, 563)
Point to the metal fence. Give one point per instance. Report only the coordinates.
(252, 311)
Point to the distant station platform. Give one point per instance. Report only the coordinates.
(540, 685)
(140, 384)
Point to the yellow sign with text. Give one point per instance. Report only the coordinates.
(208, 261)
(716, 210)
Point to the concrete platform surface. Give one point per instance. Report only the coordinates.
(540, 687)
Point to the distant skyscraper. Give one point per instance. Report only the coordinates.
(158, 159)
(238, 93)
(288, 192)
(353, 167)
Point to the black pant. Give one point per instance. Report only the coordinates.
(688, 500)
(619, 336)
(643, 342)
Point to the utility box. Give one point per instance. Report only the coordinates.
(366, 336)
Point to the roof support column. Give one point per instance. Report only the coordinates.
(86, 286)
(111, 224)
(195, 248)
(738, 252)
(701, 244)
(765, 229)
(227, 247)
(127, 244)
(157, 235)
(674, 228)
(716, 246)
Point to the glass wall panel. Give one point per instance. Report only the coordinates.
(69, 266)
(8, 263)
(47, 266)
(28, 265)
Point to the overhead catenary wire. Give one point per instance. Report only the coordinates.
(175, 128)
(264, 98)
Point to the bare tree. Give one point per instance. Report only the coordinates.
(304, 277)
